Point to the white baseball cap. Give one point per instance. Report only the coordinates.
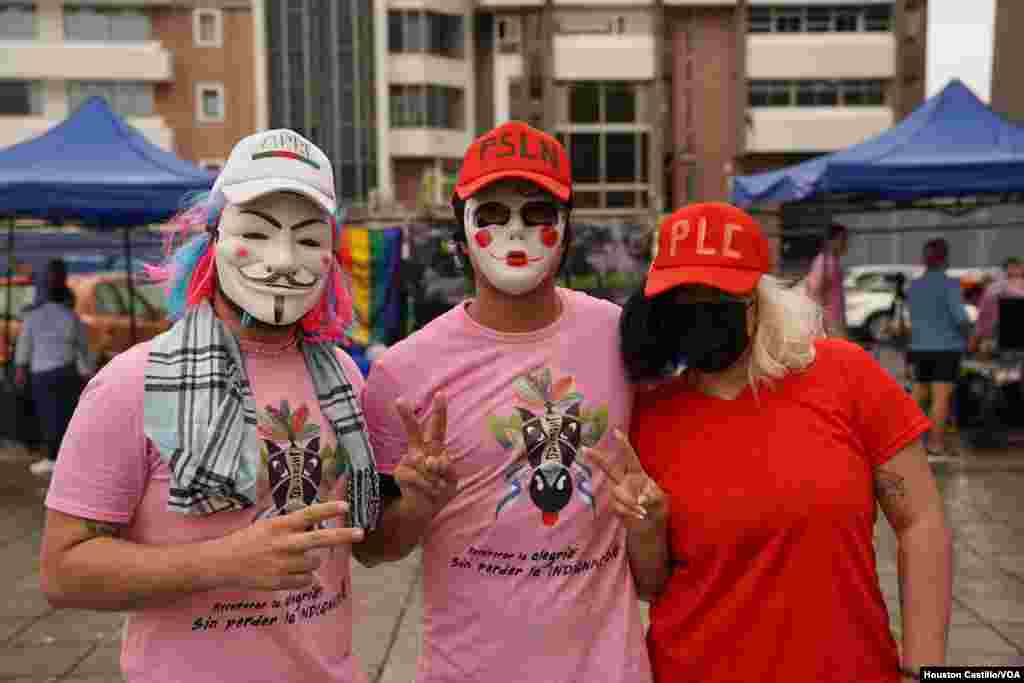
(277, 160)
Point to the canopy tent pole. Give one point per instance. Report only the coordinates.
(9, 295)
(131, 285)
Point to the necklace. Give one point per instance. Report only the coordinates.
(259, 349)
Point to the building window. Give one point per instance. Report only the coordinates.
(853, 93)
(508, 33)
(759, 20)
(788, 20)
(770, 94)
(17, 21)
(119, 24)
(607, 145)
(847, 19)
(595, 102)
(878, 18)
(820, 19)
(210, 102)
(416, 31)
(208, 27)
(817, 94)
(427, 106)
(863, 93)
(125, 98)
(21, 98)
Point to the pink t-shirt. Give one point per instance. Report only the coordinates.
(108, 470)
(526, 575)
(988, 307)
(826, 268)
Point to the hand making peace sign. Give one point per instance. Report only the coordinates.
(425, 470)
(635, 497)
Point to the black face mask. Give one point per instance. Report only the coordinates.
(712, 336)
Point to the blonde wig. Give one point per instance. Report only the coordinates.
(788, 323)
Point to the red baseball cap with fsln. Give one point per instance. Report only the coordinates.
(713, 244)
(515, 150)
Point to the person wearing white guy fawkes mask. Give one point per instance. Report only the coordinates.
(528, 562)
(213, 480)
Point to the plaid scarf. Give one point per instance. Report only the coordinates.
(201, 416)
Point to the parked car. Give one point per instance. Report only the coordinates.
(102, 301)
(871, 290)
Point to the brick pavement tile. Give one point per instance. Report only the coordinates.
(995, 584)
(74, 626)
(19, 559)
(990, 538)
(971, 658)
(11, 625)
(23, 604)
(993, 609)
(19, 523)
(105, 660)
(379, 598)
(958, 616)
(40, 662)
(961, 617)
(401, 664)
(979, 638)
(1012, 564)
(110, 678)
(1011, 631)
(384, 587)
(1003, 587)
(27, 584)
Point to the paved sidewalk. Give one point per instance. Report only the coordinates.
(37, 643)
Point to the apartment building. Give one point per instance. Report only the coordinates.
(181, 72)
(659, 102)
(776, 82)
(1007, 57)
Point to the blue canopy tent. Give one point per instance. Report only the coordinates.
(953, 145)
(96, 170)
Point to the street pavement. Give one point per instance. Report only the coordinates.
(982, 493)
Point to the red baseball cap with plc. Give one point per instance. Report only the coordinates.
(515, 150)
(717, 245)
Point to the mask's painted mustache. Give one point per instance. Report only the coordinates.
(275, 278)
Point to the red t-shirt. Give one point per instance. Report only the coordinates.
(773, 511)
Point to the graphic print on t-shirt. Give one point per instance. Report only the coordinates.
(299, 473)
(547, 430)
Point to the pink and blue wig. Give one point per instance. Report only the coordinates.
(189, 271)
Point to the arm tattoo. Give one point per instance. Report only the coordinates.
(101, 528)
(889, 486)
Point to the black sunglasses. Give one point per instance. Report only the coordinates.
(533, 213)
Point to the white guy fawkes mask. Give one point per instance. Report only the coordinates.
(273, 256)
(515, 235)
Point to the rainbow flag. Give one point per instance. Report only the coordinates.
(373, 258)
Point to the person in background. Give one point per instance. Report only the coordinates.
(825, 281)
(775, 448)
(938, 333)
(53, 354)
(988, 309)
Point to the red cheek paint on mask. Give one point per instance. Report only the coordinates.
(549, 236)
(242, 252)
(483, 239)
